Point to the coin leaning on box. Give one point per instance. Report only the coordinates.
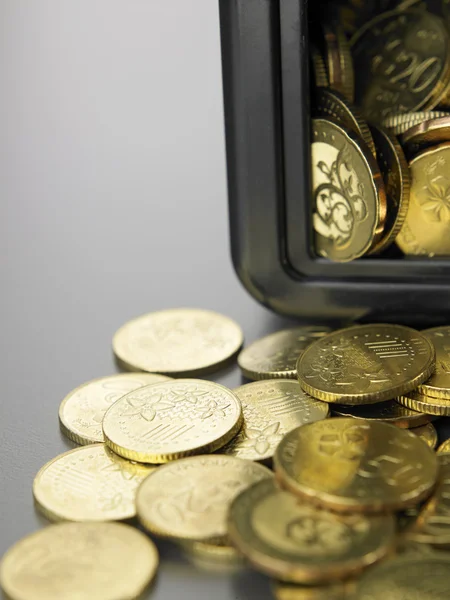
(312, 474)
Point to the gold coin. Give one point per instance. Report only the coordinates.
(444, 448)
(190, 498)
(426, 229)
(425, 135)
(389, 412)
(439, 383)
(294, 591)
(79, 560)
(276, 355)
(220, 552)
(423, 577)
(81, 412)
(88, 484)
(329, 104)
(338, 60)
(183, 341)
(403, 63)
(356, 466)
(318, 67)
(348, 193)
(428, 434)
(271, 408)
(433, 523)
(165, 421)
(401, 122)
(426, 404)
(297, 542)
(366, 364)
(395, 172)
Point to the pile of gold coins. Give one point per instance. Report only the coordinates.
(357, 503)
(380, 128)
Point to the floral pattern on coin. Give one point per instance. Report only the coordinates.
(271, 408)
(160, 421)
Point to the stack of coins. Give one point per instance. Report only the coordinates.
(190, 462)
(380, 148)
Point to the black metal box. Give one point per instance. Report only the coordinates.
(266, 95)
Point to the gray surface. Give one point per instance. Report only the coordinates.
(113, 204)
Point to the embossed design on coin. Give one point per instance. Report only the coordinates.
(403, 63)
(189, 499)
(300, 543)
(164, 421)
(356, 466)
(178, 342)
(276, 355)
(271, 408)
(79, 560)
(423, 577)
(349, 200)
(366, 364)
(81, 412)
(389, 411)
(88, 484)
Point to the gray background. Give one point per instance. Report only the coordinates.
(113, 203)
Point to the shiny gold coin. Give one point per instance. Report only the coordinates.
(348, 193)
(88, 484)
(420, 577)
(190, 498)
(183, 341)
(426, 404)
(318, 67)
(276, 355)
(388, 412)
(271, 408)
(426, 229)
(398, 123)
(403, 63)
(82, 561)
(338, 61)
(433, 523)
(395, 172)
(444, 448)
(165, 421)
(356, 466)
(366, 364)
(81, 412)
(297, 542)
(428, 434)
(425, 135)
(439, 383)
(329, 104)
(291, 591)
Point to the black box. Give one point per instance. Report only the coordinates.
(266, 93)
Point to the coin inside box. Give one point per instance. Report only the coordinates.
(266, 77)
